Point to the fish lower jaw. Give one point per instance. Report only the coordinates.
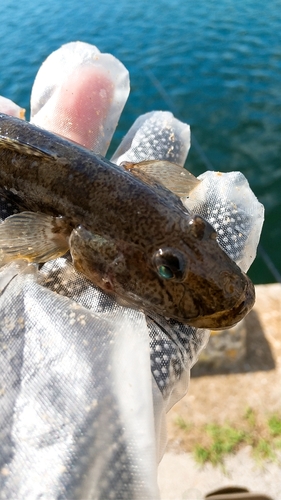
(229, 317)
(219, 320)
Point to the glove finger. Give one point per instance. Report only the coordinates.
(80, 93)
(157, 135)
(10, 108)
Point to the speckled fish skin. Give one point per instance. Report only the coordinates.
(118, 221)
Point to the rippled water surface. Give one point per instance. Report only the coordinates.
(216, 64)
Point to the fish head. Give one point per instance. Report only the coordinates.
(216, 290)
(190, 279)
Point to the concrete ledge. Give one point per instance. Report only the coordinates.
(221, 392)
(180, 478)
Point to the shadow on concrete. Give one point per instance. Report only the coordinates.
(258, 356)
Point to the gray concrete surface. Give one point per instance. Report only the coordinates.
(180, 478)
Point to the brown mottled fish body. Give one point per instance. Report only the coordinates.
(126, 232)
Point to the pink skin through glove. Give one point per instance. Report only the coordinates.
(86, 94)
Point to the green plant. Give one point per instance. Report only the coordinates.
(250, 416)
(274, 424)
(183, 424)
(263, 450)
(224, 440)
(214, 442)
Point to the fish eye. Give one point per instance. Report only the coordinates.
(170, 263)
(165, 272)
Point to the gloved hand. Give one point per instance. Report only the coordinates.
(87, 382)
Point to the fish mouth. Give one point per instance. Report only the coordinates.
(230, 317)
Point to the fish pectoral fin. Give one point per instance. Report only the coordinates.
(33, 236)
(174, 177)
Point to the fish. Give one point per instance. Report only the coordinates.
(125, 226)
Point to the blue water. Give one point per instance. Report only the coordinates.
(218, 62)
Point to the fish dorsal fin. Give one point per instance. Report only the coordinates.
(174, 177)
(21, 146)
(33, 236)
